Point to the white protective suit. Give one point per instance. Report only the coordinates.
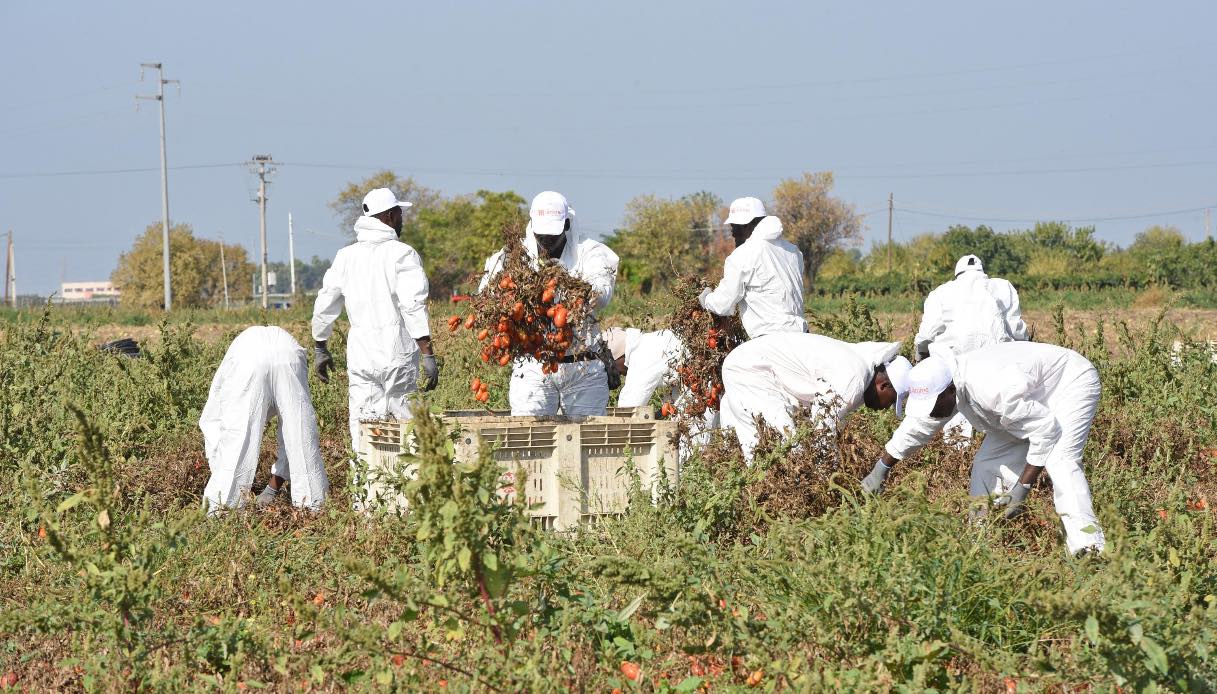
(772, 375)
(764, 277)
(264, 372)
(650, 360)
(381, 282)
(579, 388)
(1035, 402)
(971, 311)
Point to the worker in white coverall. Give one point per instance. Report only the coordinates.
(773, 375)
(381, 283)
(763, 276)
(580, 386)
(264, 373)
(647, 361)
(1035, 403)
(971, 311)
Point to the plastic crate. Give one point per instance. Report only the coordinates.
(575, 467)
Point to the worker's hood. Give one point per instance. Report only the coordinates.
(373, 230)
(876, 353)
(570, 254)
(767, 229)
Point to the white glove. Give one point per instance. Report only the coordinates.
(701, 299)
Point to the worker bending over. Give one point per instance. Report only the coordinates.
(971, 311)
(763, 276)
(1035, 403)
(264, 373)
(580, 386)
(772, 375)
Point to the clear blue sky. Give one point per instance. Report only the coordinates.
(1029, 110)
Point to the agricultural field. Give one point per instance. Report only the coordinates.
(778, 577)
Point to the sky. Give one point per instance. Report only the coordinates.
(965, 112)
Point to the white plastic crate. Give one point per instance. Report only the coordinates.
(575, 466)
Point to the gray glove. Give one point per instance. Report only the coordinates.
(1015, 501)
(266, 497)
(324, 361)
(873, 483)
(430, 372)
(701, 298)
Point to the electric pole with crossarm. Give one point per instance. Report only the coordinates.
(160, 97)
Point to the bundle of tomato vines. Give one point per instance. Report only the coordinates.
(529, 309)
(707, 339)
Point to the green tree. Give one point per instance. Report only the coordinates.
(455, 236)
(659, 231)
(348, 205)
(194, 265)
(814, 220)
(308, 275)
(1000, 253)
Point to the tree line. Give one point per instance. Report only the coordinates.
(661, 237)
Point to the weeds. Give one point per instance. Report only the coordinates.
(777, 576)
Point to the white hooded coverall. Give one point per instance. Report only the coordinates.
(971, 311)
(1035, 402)
(771, 376)
(381, 282)
(764, 277)
(578, 389)
(264, 372)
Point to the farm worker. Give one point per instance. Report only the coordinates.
(971, 311)
(580, 386)
(763, 275)
(772, 375)
(264, 373)
(1035, 402)
(645, 360)
(381, 283)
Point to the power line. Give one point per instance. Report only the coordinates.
(1025, 220)
(108, 172)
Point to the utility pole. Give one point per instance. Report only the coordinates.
(291, 253)
(10, 277)
(160, 97)
(1208, 234)
(261, 161)
(224, 271)
(890, 207)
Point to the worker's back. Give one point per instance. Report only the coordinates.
(772, 272)
(368, 273)
(971, 311)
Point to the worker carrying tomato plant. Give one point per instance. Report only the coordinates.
(763, 276)
(1035, 402)
(536, 309)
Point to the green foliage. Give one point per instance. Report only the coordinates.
(711, 586)
(455, 236)
(661, 233)
(348, 204)
(198, 277)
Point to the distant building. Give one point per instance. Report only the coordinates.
(88, 291)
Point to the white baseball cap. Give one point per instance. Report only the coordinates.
(549, 213)
(744, 210)
(968, 262)
(380, 200)
(926, 381)
(898, 373)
